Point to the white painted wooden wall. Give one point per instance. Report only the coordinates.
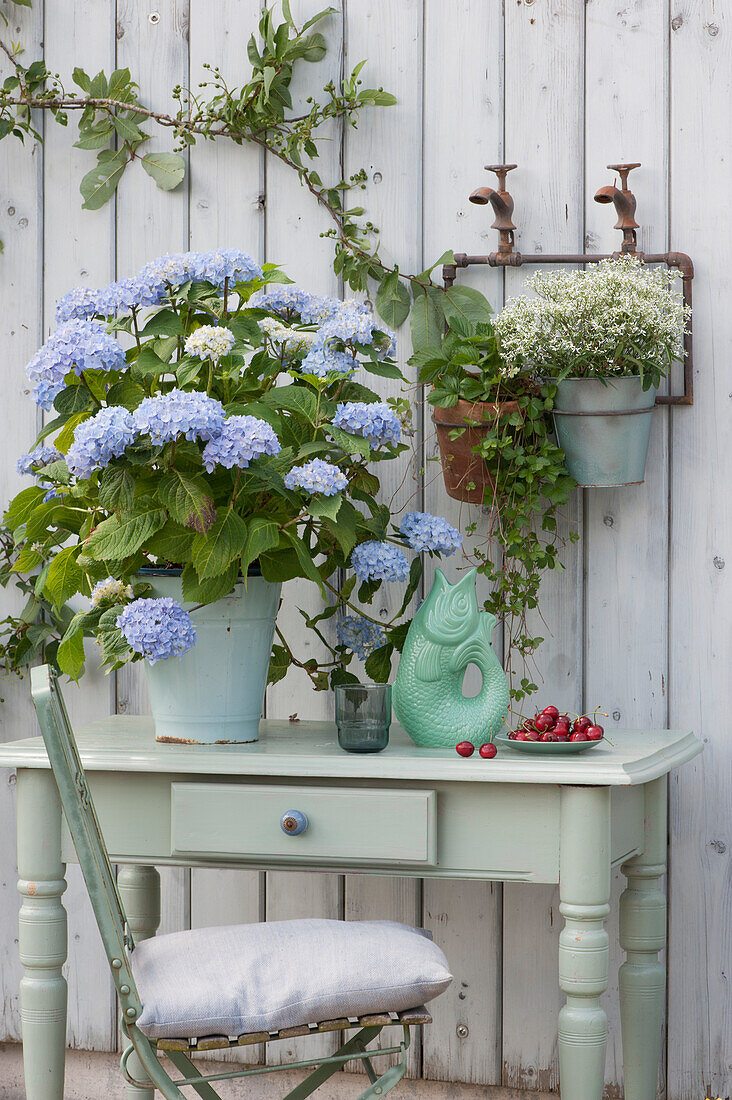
(640, 617)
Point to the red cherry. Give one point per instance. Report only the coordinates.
(595, 733)
(488, 751)
(565, 718)
(543, 722)
(527, 724)
(522, 735)
(562, 736)
(465, 748)
(532, 735)
(561, 727)
(582, 723)
(548, 736)
(512, 735)
(552, 711)
(578, 735)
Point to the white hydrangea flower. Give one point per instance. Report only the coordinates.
(294, 341)
(110, 589)
(210, 342)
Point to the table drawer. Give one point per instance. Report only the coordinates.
(352, 823)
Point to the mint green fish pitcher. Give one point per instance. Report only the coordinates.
(448, 633)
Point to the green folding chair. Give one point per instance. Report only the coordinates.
(143, 1054)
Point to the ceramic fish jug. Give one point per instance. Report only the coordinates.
(448, 633)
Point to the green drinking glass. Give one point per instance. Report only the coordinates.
(363, 716)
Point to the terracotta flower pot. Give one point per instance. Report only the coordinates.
(465, 472)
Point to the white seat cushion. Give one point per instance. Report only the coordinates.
(263, 977)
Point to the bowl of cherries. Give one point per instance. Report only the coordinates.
(551, 733)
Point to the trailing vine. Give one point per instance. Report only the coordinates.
(114, 124)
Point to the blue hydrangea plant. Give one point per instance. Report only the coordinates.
(207, 417)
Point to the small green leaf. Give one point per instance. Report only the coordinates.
(427, 318)
(26, 561)
(165, 322)
(116, 488)
(296, 398)
(262, 534)
(64, 577)
(214, 551)
(70, 654)
(167, 169)
(382, 369)
(207, 591)
(392, 300)
(305, 559)
(468, 304)
(65, 437)
(23, 505)
(325, 506)
(98, 186)
(351, 444)
(187, 499)
(73, 399)
(172, 544)
(81, 79)
(278, 665)
(378, 664)
(119, 536)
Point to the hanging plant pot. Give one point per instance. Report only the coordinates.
(214, 693)
(465, 472)
(603, 428)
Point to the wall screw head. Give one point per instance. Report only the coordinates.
(462, 1031)
(153, 17)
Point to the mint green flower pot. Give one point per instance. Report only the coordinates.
(214, 693)
(604, 449)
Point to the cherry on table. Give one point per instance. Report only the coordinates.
(488, 751)
(595, 733)
(465, 748)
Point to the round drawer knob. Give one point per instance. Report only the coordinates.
(293, 822)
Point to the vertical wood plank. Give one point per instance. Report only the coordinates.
(626, 529)
(463, 131)
(388, 145)
(151, 222)
(293, 225)
(226, 186)
(21, 332)
(700, 641)
(543, 135)
(375, 897)
(79, 249)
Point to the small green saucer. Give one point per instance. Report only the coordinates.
(548, 748)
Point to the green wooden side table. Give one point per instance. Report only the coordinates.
(407, 811)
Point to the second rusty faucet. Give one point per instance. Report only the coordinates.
(502, 203)
(624, 201)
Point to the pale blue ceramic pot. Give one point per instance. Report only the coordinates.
(214, 693)
(610, 449)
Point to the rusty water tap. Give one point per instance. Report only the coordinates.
(502, 204)
(624, 202)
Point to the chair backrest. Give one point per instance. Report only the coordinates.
(83, 825)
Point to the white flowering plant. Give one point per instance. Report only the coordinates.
(617, 317)
(208, 419)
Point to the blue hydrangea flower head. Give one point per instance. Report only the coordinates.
(221, 264)
(179, 412)
(379, 561)
(375, 422)
(210, 342)
(79, 303)
(157, 628)
(291, 301)
(99, 439)
(242, 439)
(74, 346)
(425, 532)
(360, 635)
(317, 476)
(42, 455)
(323, 360)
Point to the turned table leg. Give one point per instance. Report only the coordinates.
(139, 889)
(584, 892)
(642, 936)
(42, 935)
